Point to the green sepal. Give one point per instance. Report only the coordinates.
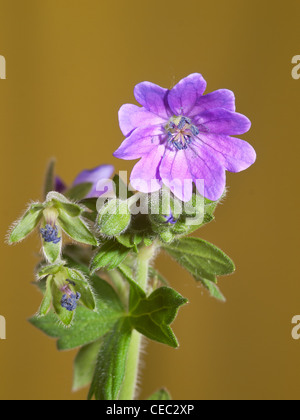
(50, 269)
(76, 229)
(70, 209)
(109, 256)
(130, 240)
(114, 218)
(66, 317)
(82, 286)
(161, 395)
(148, 241)
(26, 224)
(85, 364)
(167, 236)
(47, 300)
(51, 250)
(79, 191)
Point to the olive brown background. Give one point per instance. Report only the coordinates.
(70, 66)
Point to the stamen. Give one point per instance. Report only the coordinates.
(182, 123)
(194, 130)
(50, 234)
(69, 302)
(71, 282)
(180, 132)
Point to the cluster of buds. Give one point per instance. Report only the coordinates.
(65, 287)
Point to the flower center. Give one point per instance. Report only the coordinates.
(181, 132)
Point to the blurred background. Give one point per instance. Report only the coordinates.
(70, 65)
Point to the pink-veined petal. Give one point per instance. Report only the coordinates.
(145, 174)
(133, 116)
(153, 98)
(183, 97)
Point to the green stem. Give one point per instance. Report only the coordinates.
(132, 365)
(120, 285)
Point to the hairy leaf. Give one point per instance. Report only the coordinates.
(26, 224)
(109, 256)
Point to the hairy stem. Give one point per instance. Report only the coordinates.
(129, 386)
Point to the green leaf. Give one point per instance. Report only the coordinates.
(47, 300)
(203, 260)
(84, 365)
(26, 224)
(114, 217)
(65, 316)
(89, 326)
(76, 229)
(160, 395)
(109, 256)
(49, 178)
(80, 191)
(110, 369)
(152, 315)
(213, 289)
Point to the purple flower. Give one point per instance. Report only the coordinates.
(96, 176)
(183, 136)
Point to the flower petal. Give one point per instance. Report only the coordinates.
(153, 98)
(222, 98)
(145, 175)
(95, 175)
(175, 173)
(133, 116)
(59, 185)
(222, 121)
(184, 96)
(139, 143)
(235, 154)
(205, 167)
